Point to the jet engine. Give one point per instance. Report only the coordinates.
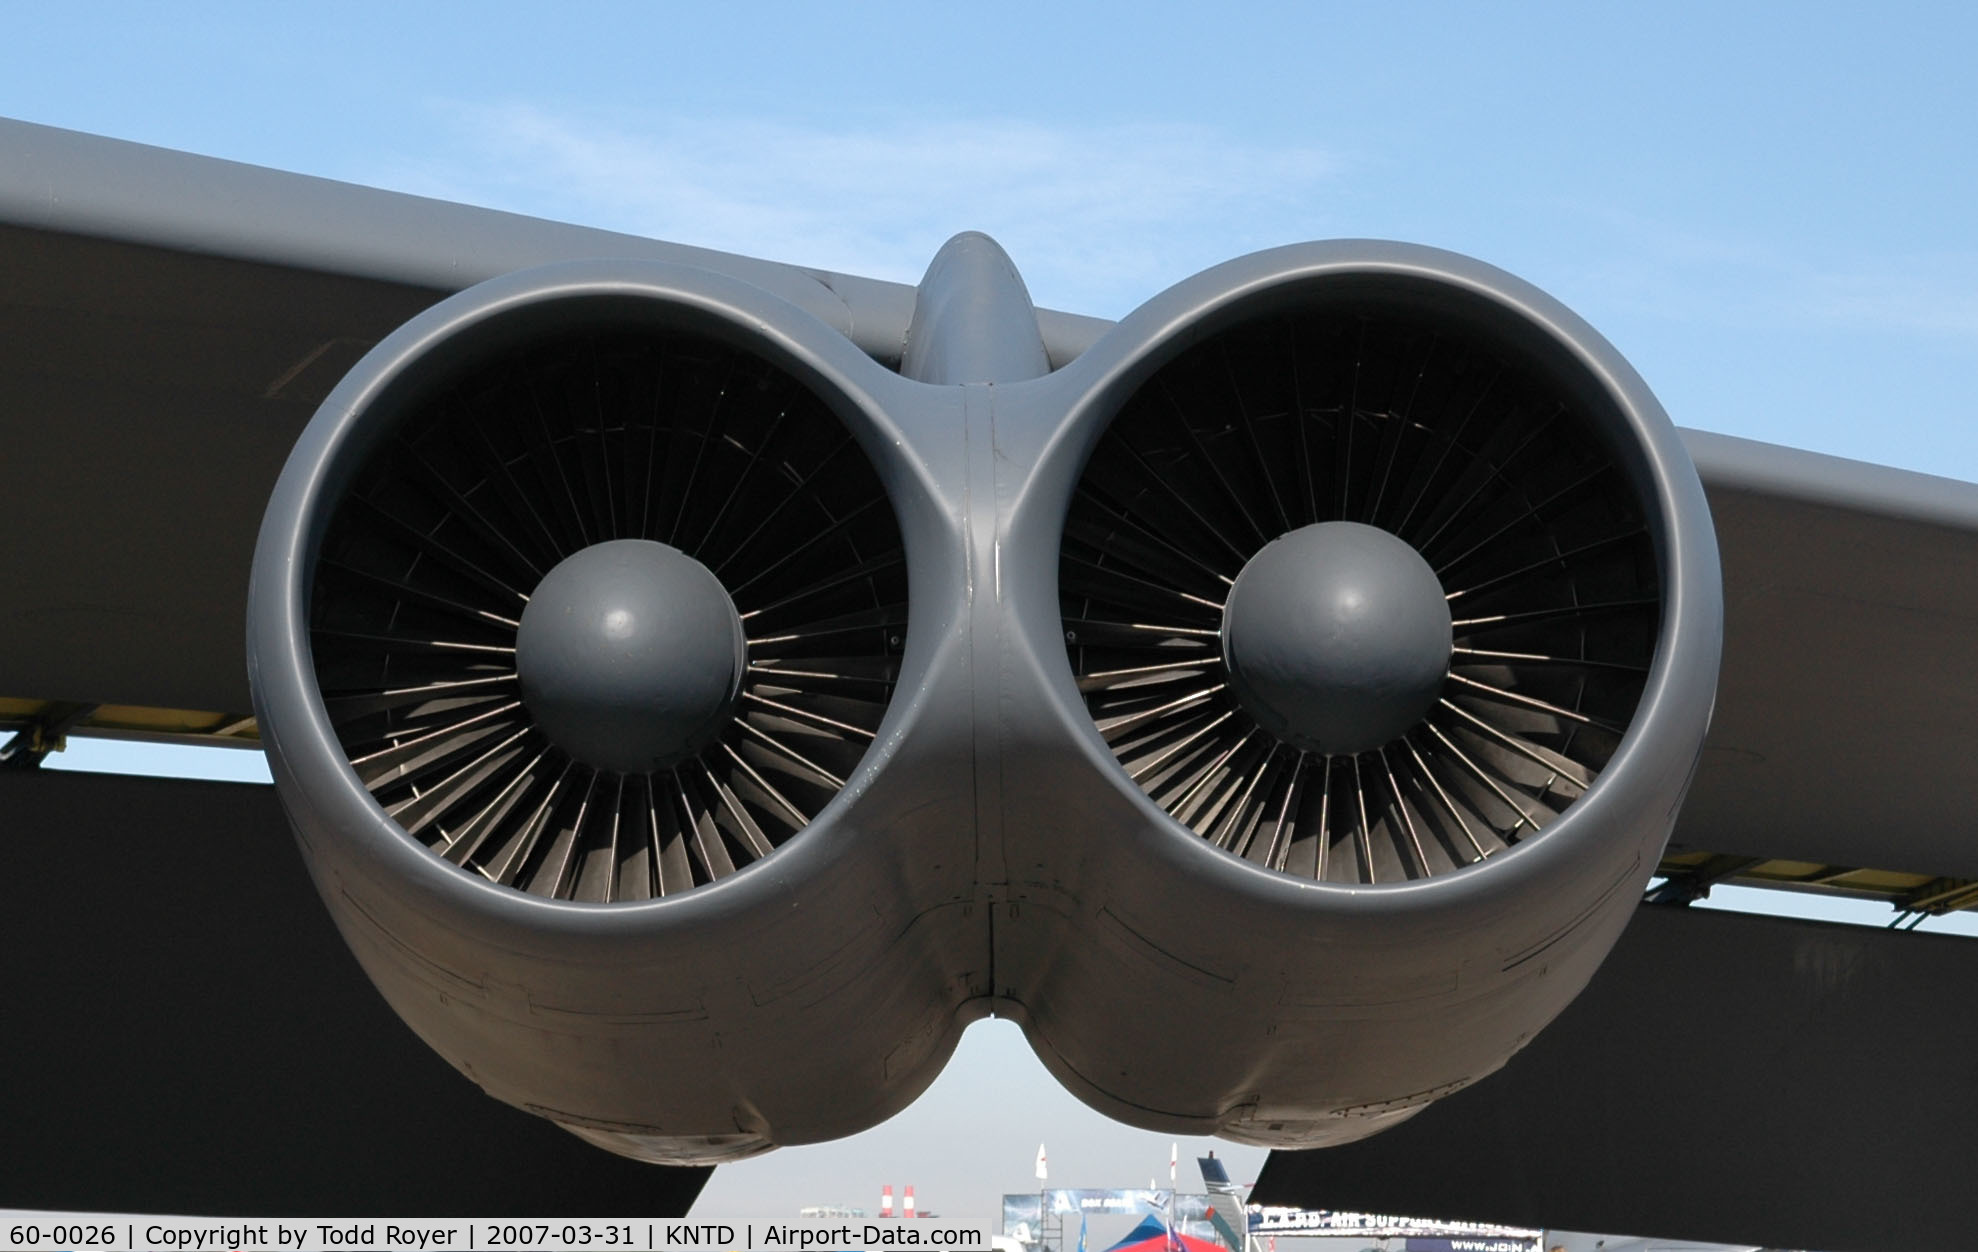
(692, 723)
(581, 629)
(1371, 615)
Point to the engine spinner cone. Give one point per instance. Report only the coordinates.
(1337, 637)
(630, 655)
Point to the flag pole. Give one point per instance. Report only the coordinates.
(1043, 1202)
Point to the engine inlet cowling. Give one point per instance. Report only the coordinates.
(1389, 613)
(577, 615)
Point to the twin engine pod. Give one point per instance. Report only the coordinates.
(693, 723)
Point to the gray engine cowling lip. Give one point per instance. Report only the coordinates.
(303, 750)
(1656, 755)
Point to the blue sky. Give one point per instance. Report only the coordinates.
(1769, 209)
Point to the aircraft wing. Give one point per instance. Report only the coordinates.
(168, 323)
(1847, 709)
(172, 320)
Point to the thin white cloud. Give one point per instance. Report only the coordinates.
(1931, 295)
(1097, 217)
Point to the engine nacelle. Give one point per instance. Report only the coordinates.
(1268, 881)
(692, 724)
(688, 911)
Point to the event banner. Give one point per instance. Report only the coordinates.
(1421, 1234)
(24, 1231)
